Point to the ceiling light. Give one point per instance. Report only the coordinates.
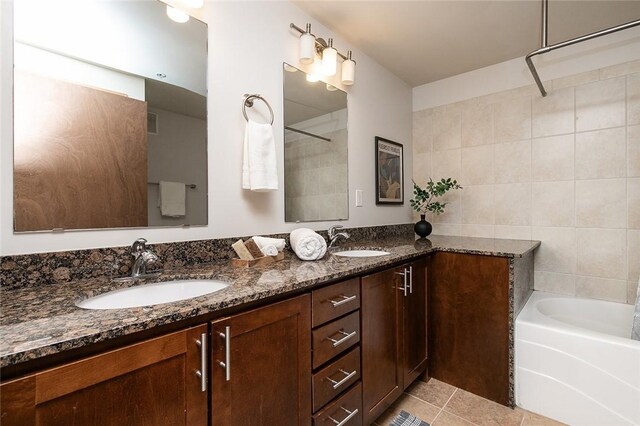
(348, 71)
(177, 15)
(307, 46)
(329, 59)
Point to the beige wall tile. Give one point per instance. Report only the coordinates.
(553, 114)
(477, 125)
(553, 203)
(512, 232)
(633, 254)
(477, 204)
(446, 229)
(477, 165)
(602, 252)
(557, 253)
(602, 288)
(445, 164)
(633, 151)
(512, 120)
(575, 80)
(601, 154)
(453, 209)
(446, 129)
(422, 131)
(552, 158)
(421, 168)
(512, 204)
(633, 202)
(620, 69)
(512, 162)
(554, 282)
(601, 104)
(601, 203)
(633, 99)
(478, 231)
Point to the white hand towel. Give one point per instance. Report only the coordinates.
(307, 244)
(259, 168)
(172, 199)
(279, 243)
(269, 250)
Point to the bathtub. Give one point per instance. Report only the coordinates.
(575, 361)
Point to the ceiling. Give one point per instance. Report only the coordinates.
(428, 40)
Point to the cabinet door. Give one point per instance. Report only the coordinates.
(381, 350)
(261, 366)
(150, 383)
(414, 323)
(469, 323)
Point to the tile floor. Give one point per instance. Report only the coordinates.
(441, 404)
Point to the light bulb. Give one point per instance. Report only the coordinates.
(329, 59)
(348, 71)
(177, 15)
(312, 78)
(307, 46)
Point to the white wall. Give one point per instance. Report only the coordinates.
(248, 42)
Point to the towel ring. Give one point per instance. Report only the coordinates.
(248, 102)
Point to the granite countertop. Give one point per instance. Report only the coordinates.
(40, 321)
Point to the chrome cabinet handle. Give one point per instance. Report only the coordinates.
(202, 373)
(226, 364)
(346, 419)
(410, 279)
(345, 299)
(346, 337)
(346, 378)
(404, 287)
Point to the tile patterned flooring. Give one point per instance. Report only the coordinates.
(441, 404)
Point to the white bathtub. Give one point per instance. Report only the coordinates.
(575, 360)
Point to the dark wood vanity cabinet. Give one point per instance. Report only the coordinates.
(394, 334)
(469, 323)
(149, 383)
(261, 366)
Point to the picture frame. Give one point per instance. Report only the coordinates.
(389, 172)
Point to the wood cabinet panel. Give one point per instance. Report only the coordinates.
(335, 378)
(348, 405)
(334, 338)
(469, 323)
(334, 301)
(414, 324)
(269, 363)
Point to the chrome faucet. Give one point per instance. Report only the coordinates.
(334, 236)
(142, 256)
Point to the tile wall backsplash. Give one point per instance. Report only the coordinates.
(563, 169)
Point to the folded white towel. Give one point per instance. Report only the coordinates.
(259, 168)
(269, 250)
(172, 199)
(279, 243)
(307, 244)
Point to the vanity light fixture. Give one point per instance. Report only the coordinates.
(177, 15)
(310, 45)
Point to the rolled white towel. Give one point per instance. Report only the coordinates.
(269, 250)
(278, 243)
(307, 244)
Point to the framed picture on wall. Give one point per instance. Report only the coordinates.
(389, 172)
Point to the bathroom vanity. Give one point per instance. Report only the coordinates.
(295, 343)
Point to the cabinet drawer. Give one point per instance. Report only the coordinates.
(335, 338)
(334, 301)
(346, 410)
(335, 378)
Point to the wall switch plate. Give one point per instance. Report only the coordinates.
(358, 197)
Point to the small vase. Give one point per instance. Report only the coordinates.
(422, 227)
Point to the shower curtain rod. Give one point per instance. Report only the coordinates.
(307, 133)
(545, 48)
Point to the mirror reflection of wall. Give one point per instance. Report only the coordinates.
(315, 149)
(109, 100)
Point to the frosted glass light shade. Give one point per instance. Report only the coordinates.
(307, 48)
(329, 61)
(348, 72)
(177, 15)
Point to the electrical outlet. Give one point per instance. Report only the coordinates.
(358, 197)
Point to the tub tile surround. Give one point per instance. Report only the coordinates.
(564, 169)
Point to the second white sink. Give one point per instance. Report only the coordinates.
(152, 294)
(361, 253)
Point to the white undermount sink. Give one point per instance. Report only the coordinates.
(152, 294)
(361, 253)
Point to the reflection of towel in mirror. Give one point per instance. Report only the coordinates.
(307, 244)
(279, 243)
(172, 199)
(259, 168)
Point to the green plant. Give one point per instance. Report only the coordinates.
(422, 197)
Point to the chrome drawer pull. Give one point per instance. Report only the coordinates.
(405, 286)
(346, 419)
(345, 299)
(202, 373)
(227, 353)
(336, 385)
(346, 337)
(410, 279)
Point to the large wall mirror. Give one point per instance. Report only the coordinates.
(110, 119)
(315, 149)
